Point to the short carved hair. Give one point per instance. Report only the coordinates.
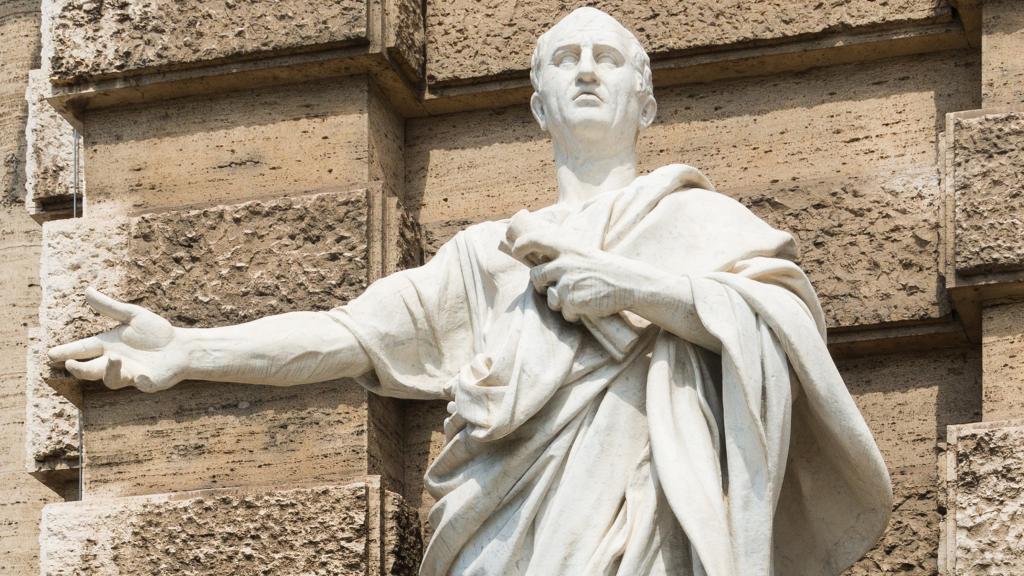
(637, 55)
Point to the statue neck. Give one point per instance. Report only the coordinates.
(582, 176)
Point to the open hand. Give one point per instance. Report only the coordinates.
(145, 351)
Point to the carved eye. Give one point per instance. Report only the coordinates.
(607, 59)
(565, 59)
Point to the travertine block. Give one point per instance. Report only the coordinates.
(208, 267)
(843, 157)
(50, 152)
(94, 39)
(985, 519)
(322, 530)
(908, 400)
(1002, 42)
(1002, 346)
(987, 182)
(19, 31)
(201, 435)
(51, 419)
(489, 38)
(406, 36)
(230, 264)
(228, 148)
(21, 502)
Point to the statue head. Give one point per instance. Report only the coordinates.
(592, 83)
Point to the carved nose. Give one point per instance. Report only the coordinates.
(585, 71)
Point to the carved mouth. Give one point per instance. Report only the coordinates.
(586, 96)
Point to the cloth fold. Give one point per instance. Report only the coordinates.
(567, 456)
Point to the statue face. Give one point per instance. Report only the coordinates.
(589, 85)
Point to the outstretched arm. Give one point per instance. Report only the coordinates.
(147, 352)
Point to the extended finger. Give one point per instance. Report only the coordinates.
(100, 302)
(92, 370)
(77, 350)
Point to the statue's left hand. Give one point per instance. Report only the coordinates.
(582, 281)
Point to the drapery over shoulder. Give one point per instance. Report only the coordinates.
(763, 459)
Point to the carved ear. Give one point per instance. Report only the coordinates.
(648, 112)
(537, 107)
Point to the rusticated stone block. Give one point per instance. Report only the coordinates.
(231, 147)
(52, 417)
(988, 186)
(406, 36)
(986, 498)
(323, 530)
(95, 39)
(76, 254)
(844, 157)
(487, 38)
(49, 162)
(230, 264)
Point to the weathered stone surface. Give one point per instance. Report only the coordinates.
(1002, 65)
(52, 419)
(318, 531)
(908, 401)
(988, 184)
(19, 43)
(407, 36)
(470, 39)
(424, 439)
(50, 142)
(201, 435)
(228, 148)
(21, 503)
(230, 264)
(844, 157)
(76, 254)
(986, 498)
(1002, 348)
(97, 39)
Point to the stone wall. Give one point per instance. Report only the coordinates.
(243, 158)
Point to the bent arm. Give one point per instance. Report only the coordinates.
(282, 350)
(667, 301)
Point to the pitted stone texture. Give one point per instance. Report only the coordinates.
(910, 543)
(1002, 348)
(231, 264)
(103, 38)
(19, 43)
(870, 247)
(315, 531)
(52, 419)
(206, 267)
(1001, 42)
(485, 38)
(77, 254)
(51, 141)
(407, 36)
(988, 181)
(229, 148)
(908, 400)
(844, 157)
(987, 498)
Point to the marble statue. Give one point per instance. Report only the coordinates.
(637, 376)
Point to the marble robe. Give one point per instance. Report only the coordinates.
(563, 458)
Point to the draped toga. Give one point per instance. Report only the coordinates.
(563, 458)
